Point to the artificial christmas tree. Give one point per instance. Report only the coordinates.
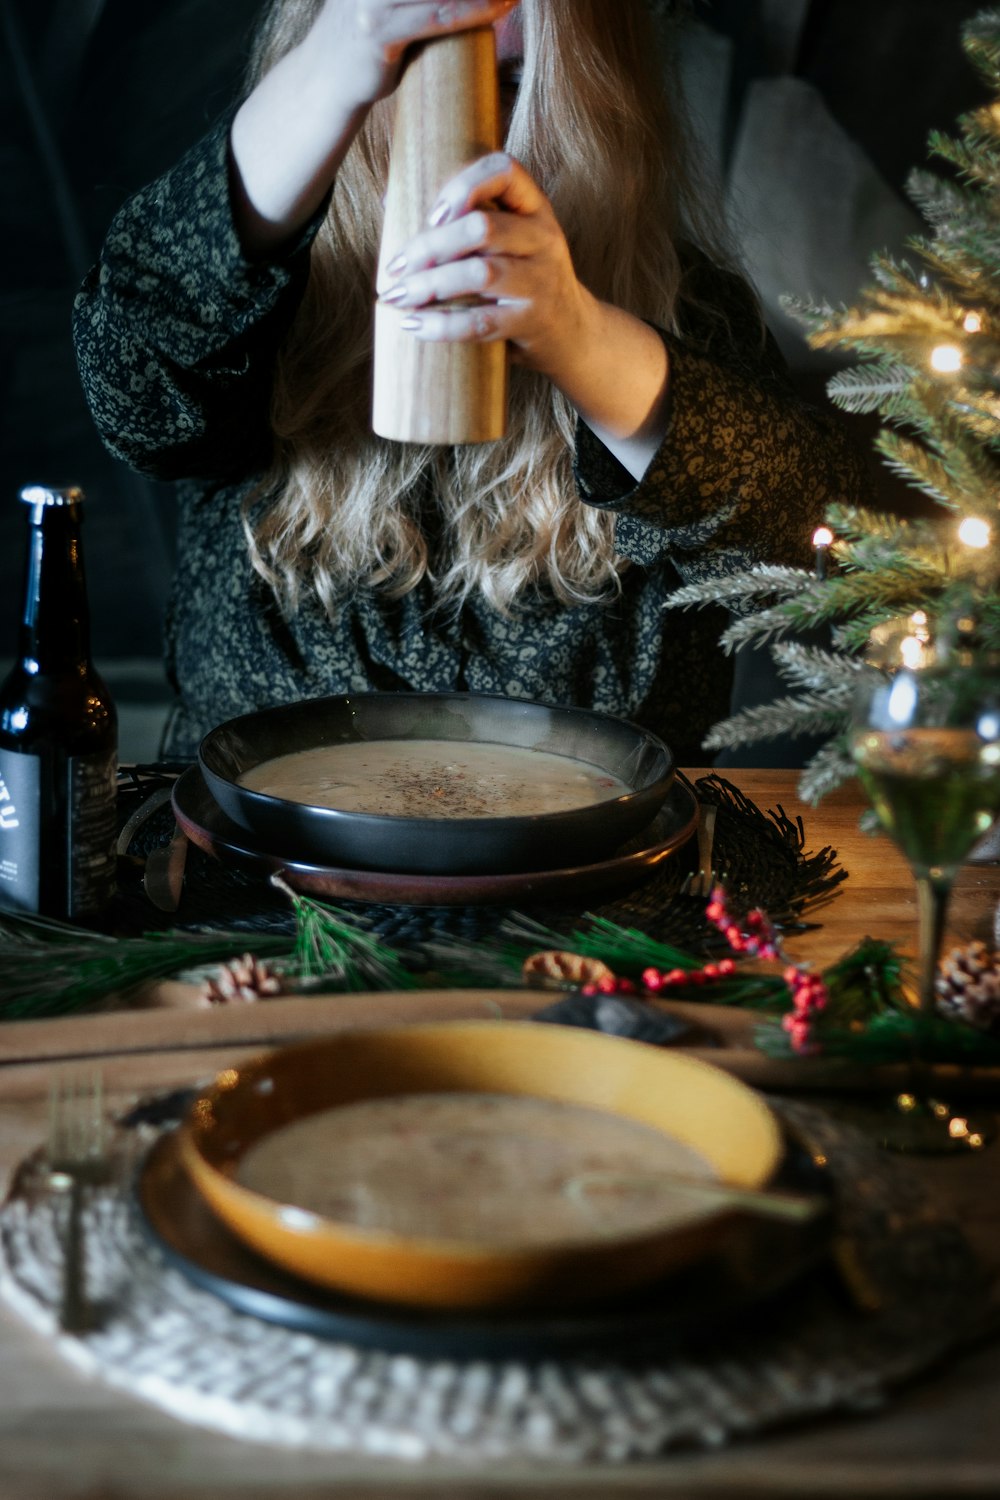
(886, 585)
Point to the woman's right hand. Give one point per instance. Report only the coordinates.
(290, 135)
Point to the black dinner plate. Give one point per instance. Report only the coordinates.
(757, 1259)
(446, 845)
(206, 825)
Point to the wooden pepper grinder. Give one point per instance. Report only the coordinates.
(447, 115)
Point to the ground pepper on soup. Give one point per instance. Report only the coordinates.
(434, 779)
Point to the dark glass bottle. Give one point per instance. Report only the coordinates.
(58, 733)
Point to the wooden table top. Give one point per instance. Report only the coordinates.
(62, 1435)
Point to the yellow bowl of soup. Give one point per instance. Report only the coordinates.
(485, 1164)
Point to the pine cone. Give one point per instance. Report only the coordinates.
(968, 986)
(241, 981)
(563, 968)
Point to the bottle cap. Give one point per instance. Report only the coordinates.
(43, 494)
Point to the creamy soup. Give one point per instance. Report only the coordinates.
(491, 1168)
(434, 778)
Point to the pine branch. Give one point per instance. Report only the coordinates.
(976, 157)
(332, 946)
(882, 386)
(815, 669)
(945, 204)
(856, 523)
(945, 480)
(912, 569)
(981, 42)
(831, 767)
(899, 586)
(754, 582)
(812, 713)
(49, 968)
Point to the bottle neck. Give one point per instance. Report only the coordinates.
(55, 629)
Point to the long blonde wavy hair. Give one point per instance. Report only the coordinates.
(596, 124)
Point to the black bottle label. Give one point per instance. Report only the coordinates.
(57, 833)
(20, 845)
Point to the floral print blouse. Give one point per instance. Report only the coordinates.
(176, 335)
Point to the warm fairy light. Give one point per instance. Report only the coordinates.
(918, 626)
(822, 537)
(972, 322)
(974, 532)
(946, 359)
(911, 649)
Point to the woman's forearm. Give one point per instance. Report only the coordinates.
(616, 376)
(291, 134)
(288, 139)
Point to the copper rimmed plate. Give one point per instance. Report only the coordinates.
(208, 827)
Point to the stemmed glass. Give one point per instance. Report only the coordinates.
(926, 743)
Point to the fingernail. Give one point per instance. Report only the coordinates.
(397, 293)
(397, 264)
(411, 324)
(438, 214)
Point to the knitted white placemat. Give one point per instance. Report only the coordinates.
(160, 1337)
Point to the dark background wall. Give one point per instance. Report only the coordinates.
(813, 112)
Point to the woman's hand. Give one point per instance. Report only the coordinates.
(493, 237)
(365, 40)
(289, 137)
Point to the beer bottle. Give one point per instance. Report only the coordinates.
(58, 732)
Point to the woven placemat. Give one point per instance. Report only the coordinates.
(180, 1347)
(761, 855)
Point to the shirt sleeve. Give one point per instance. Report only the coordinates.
(176, 330)
(746, 466)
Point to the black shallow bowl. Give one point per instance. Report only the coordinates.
(454, 846)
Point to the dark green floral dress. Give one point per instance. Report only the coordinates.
(176, 335)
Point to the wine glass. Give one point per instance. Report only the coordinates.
(925, 740)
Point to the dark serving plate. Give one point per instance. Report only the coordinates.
(438, 846)
(758, 1259)
(201, 818)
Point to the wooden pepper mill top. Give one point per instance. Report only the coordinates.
(447, 115)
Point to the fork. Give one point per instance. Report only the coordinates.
(77, 1158)
(700, 883)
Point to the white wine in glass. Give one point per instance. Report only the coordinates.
(926, 744)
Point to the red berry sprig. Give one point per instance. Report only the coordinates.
(655, 981)
(758, 938)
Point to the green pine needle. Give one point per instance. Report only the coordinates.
(333, 948)
(52, 968)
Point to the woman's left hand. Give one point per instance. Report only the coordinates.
(493, 236)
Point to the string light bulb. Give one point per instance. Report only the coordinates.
(972, 322)
(946, 359)
(911, 649)
(974, 532)
(822, 539)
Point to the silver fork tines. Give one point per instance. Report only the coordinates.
(77, 1159)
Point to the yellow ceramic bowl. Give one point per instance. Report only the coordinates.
(693, 1102)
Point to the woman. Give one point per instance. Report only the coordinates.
(225, 340)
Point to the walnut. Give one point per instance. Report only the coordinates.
(564, 969)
